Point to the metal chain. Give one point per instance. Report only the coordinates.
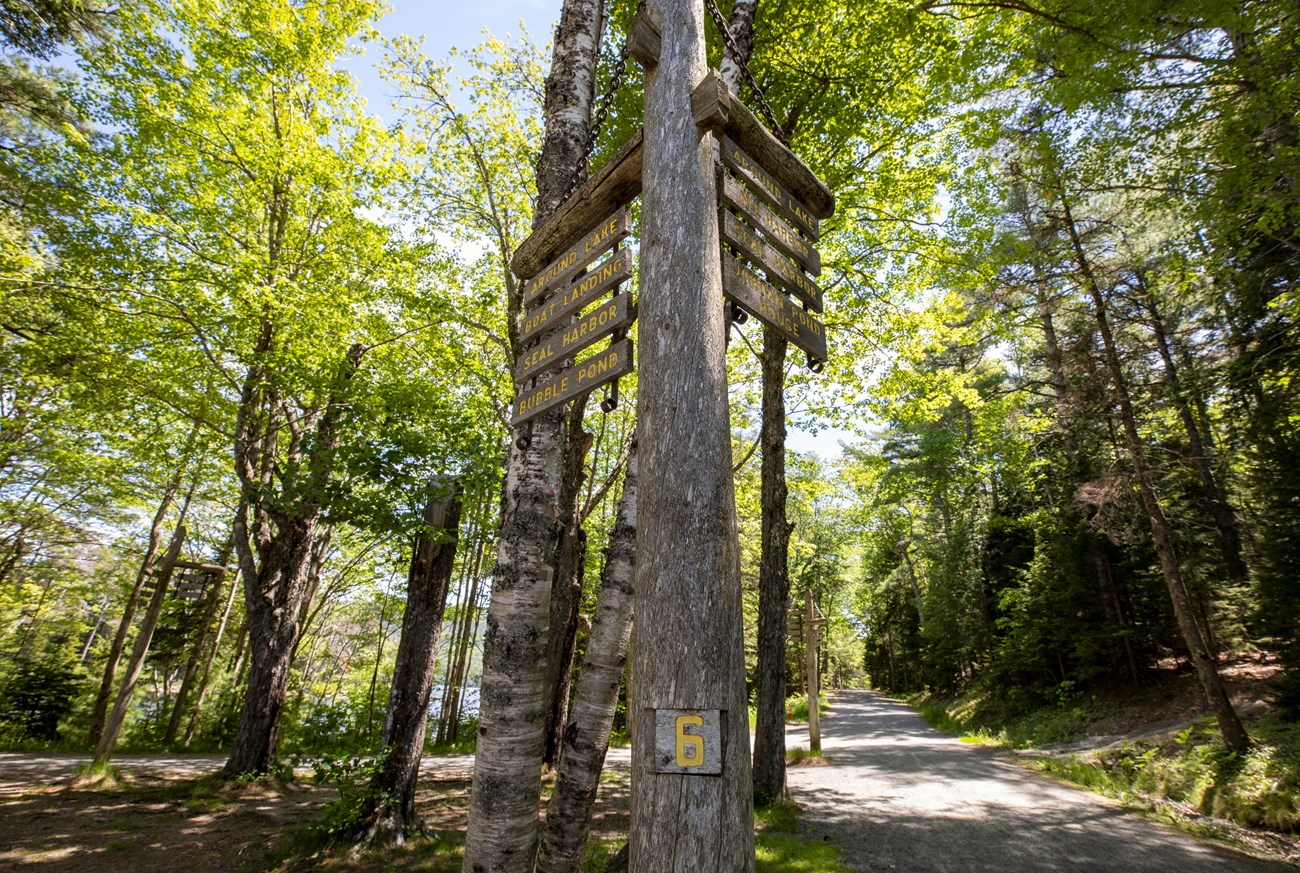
(729, 40)
(602, 112)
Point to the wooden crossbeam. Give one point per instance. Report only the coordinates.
(615, 184)
(715, 108)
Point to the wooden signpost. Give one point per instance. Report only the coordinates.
(554, 326)
(773, 227)
(764, 256)
(692, 793)
(691, 786)
(768, 187)
(770, 306)
(770, 205)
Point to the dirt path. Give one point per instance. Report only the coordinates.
(898, 795)
(160, 821)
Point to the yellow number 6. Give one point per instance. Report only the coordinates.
(693, 741)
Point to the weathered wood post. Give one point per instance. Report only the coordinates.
(692, 807)
(810, 624)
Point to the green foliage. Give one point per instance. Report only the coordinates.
(35, 697)
(780, 849)
(352, 777)
(796, 707)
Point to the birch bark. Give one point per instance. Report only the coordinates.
(503, 823)
(586, 739)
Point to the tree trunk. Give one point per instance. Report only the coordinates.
(197, 647)
(211, 659)
(392, 791)
(284, 535)
(469, 630)
(814, 672)
(462, 645)
(773, 570)
(741, 27)
(773, 580)
(566, 594)
(689, 666)
(1234, 734)
(116, 718)
(271, 600)
(106, 683)
(586, 739)
(452, 644)
(503, 820)
(1223, 516)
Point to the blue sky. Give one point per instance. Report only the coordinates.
(448, 23)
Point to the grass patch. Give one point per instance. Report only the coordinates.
(1258, 788)
(796, 707)
(799, 755)
(781, 849)
(464, 745)
(1010, 722)
(97, 774)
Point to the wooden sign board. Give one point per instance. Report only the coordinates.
(574, 298)
(779, 270)
(778, 233)
(768, 188)
(612, 315)
(574, 381)
(688, 741)
(717, 109)
(770, 306)
(608, 233)
(615, 184)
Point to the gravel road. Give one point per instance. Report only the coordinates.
(898, 795)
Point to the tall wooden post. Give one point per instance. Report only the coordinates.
(810, 624)
(692, 807)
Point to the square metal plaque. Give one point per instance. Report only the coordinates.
(688, 741)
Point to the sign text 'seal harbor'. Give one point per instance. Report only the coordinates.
(614, 314)
(565, 310)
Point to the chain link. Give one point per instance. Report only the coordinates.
(602, 112)
(716, 14)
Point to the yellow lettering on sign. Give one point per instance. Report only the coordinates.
(694, 742)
